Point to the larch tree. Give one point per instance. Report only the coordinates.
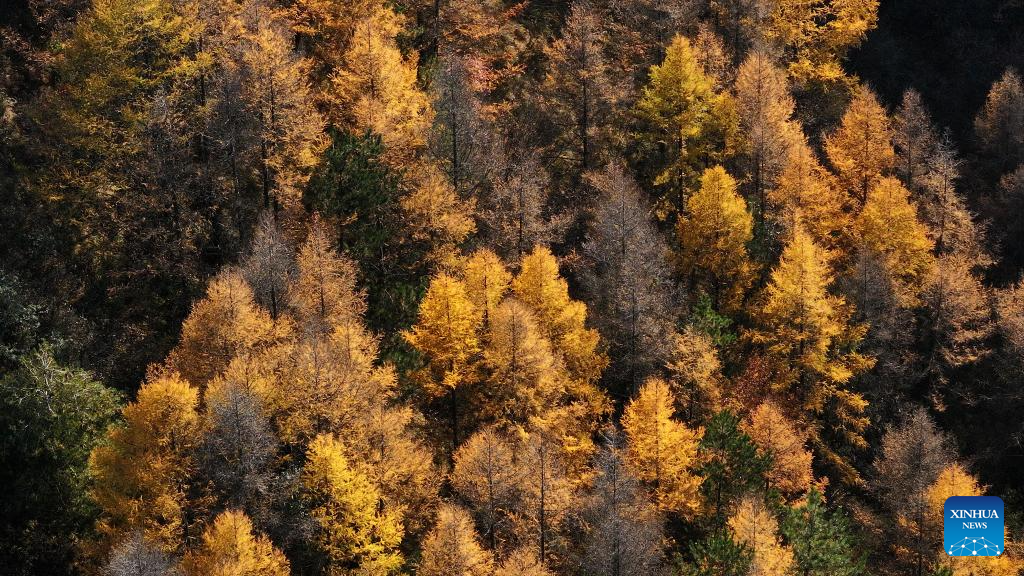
(563, 320)
(957, 324)
(914, 139)
(485, 35)
(754, 526)
(353, 527)
(436, 216)
(579, 93)
(287, 128)
(134, 556)
(778, 437)
(230, 548)
(376, 86)
(523, 380)
(324, 294)
(546, 493)
(238, 448)
(514, 216)
(952, 480)
(714, 232)
(223, 325)
(522, 562)
(661, 451)
(627, 280)
(624, 529)
(861, 147)
(815, 36)
(142, 474)
(684, 113)
(697, 382)
(268, 266)
(451, 547)
(951, 226)
(807, 195)
(1000, 123)
(765, 110)
(888, 226)
(446, 335)
(911, 457)
(487, 280)
(485, 475)
(460, 141)
(808, 337)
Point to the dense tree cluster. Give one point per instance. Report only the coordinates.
(475, 288)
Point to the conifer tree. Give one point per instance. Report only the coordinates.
(1000, 123)
(696, 375)
(755, 527)
(812, 346)
(225, 324)
(821, 540)
(547, 493)
(230, 548)
(776, 436)
(451, 547)
(143, 472)
(446, 336)
(888, 226)
(522, 562)
(486, 281)
(683, 110)
(914, 139)
(627, 279)
(765, 111)
(861, 148)
(714, 233)
(486, 476)
(624, 536)
(353, 528)
(136, 557)
(662, 451)
(730, 465)
(579, 92)
(815, 36)
(376, 85)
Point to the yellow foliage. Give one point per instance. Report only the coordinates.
(523, 562)
(815, 34)
(142, 472)
(225, 324)
(774, 434)
(524, 380)
(888, 225)
(662, 451)
(356, 528)
(861, 148)
(229, 548)
(754, 526)
(562, 319)
(377, 85)
(486, 280)
(714, 234)
(806, 194)
(696, 374)
(437, 214)
(325, 293)
(811, 345)
(451, 548)
(445, 334)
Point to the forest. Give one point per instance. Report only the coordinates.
(509, 287)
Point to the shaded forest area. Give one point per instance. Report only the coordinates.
(537, 288)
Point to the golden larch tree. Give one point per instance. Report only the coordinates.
(714, 233)
(777, 436)
(754, 526)
(354, 527)
(807, 194)
(661, 451)
(888, 226)
(812, 346)
(486, 280)
(230, 548)
(451, 547)
(861, 148)
(143, 472)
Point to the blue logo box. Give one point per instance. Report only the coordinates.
(973, 526)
